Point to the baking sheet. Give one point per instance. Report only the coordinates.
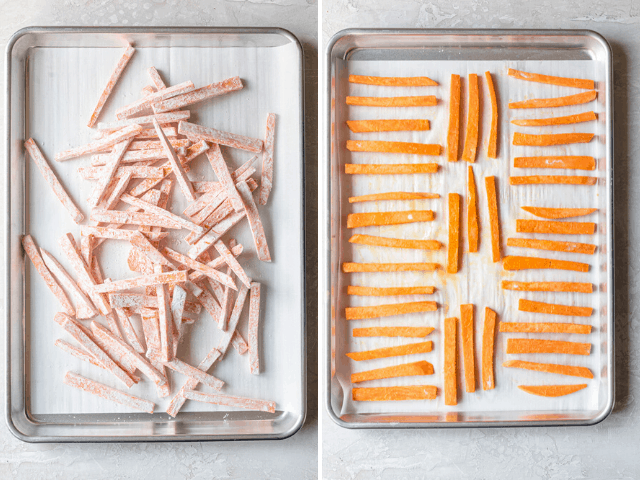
(478, 280)
(62, 89)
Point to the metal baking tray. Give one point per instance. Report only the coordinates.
(438, 53)
(53, 78)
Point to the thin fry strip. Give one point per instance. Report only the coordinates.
(108, 393)
(473, 230)
(453, 133)
(553, 309)
(147, 120)
(236, 250)
(365, 126)
(151, 280)
(134, 156)
(113, 79)
(105, 142)
(255, 224)
(385, 394)
(176, 164)
(453, 255)
(559, 212)
(359, 313)
(77, 352)
(94, 173)
(548, 286)
(219, 137)
(542, 327)
(418, 101)
(194, 373)
(563, 228)
(164, 320)
(233, 264)
(156, 145)
(494, 218)
(407, 349)
(566, 120)
(156, 78)
(109, 172)
(551, 80)
(571, 247)
(393, 196)
(254, 320)
(492, 148)
(393, 81)
(390, 169)
(393, 147)
(148, 133)
(527, 139)
(231, 401)
(562, 161)
(550, 368)
(151, 331)
(233, 319)
(390, 291)
(129, 331)
(395, 242)
(405, 370)
(149, 100)
(467, 334)
(133, 218)
(536, 263)
(552, 390)
(527, 345)
(350, 267)
(577, 99)
(215, 233)
(266, 178)
(51, 178)
(219, 166)
(212, 273)
(450, 361)
(161, 212)
(411, 332)
(204, 93)
(117, 234)
(473, 119)
(488, 338)
(355, 220)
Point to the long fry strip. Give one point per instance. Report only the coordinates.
(219, 137)
(494, 218)
(550, 368)
(374, 197)
(255, 224)
(576, 287)
(552, 245)
(577, 99)
(390, 169)
(553, 309)
(450, 361)
(365, 126)
(407, 349)
(204, 93)
(453, 133)
(527, 345)
(393, 81)
(563, 161)
(453, 248)
(467, 330)
(389, 291)
(545, 140)
(231, 401)
(559, 212)
(393, 147)
(566, 120)
(563, 228)
(395, 242)
(411, 332)
(551, 80)
(418, 101)
(359, 313)
(544, 327)
(488, 339)
(473, 119)
(492, 148)
(355, 220)
(386, 394)
(472, 212)
(154, 279)
(78, 381)
(536, 263)
(405, 370)
(350, 267)
(552, 390)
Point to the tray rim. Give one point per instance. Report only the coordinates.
(295, 428)
(324, 225)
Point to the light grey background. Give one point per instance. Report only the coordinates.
(606, 451)
(294, 458)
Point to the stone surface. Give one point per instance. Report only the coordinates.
(605, 451)
(288, 459)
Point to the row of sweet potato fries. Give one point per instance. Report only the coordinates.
(177, 285)
(453, 249)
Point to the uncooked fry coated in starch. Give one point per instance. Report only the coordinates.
(553, 309)
(551, 80)
(213, 90)
(390, 169)
(453, 133)
(473, 118)
(355, 220)
(78, 381)
(492, 148)
(385, 394)
(512, 262)
(266, 178)
(566, 120)
(453, 248)
(393, 81)
(527, 139)
(418, 101)
(395, 242)
(571, 162)
(552, 390)
(576, 99)
(359, 313)
(393, 147)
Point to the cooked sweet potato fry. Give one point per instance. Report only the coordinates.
(527, 345)
(407, 349)
(488, 337)
(566, 120)
(359, 313)
(393, 81)
(571, 247)
(364, 126)
(467, 333)
(473, 119)
(550, 139)
(417, 332)
(390, 169)
(548, 286)
(405, 370)
(385, 394)
(453, 134)
(395, 242)
(494, 218)
(389, 291)
(559, 212)
(492, 148)
(553, 309)
(562, 161)
(577, 99)
(552, 390)
(424, 101)
(393, 147)
(544, 327)
(450, 362)
(472, 212)
(355, 220)
(536, 263)
(564, 228)
(550, 368)
(350, 267)
(454, 233)
(374, 197)
(551, 80)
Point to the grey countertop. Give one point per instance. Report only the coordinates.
(608, 450)
(294, 458)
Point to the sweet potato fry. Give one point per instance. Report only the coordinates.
(231, 401)
(415, 332)
(562, 161)
(563, 228)
(542, 327)
(553, 309)
(577, 99)
(559, 212)
(450, 361)
(356, 220)
(147, 120)
(390, 169)
(176, 164)
(231, 261)
(536, 263)
(453, 133)
(219, 137)
(350, 267)
(204, 93)
(527, 345)
(571, 247)
(389, 291)
(395, 242)
(488, 338)
(254, 319)
(405, 370)
(550, 368)
(359, 313)
(374, 197)
(468, 350)
(492, 148)
(108, 393)
(266, 179)
(144, 281)
(407, 349)
(472, 212)
(393, 147)
(364, 126)
(548, 286)
(210, 272)
(527, 139)
(453, 248)
(393, 81)
(566, 120)
(155, 97)
(550, 80)
(103, 143)
(385, 394)
(423, 101)
(473, 119)
(494, 218)
(255, 224)
(552, 390)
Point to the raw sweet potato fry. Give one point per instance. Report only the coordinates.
(204, 93)
(124, 217)
(542, 327)
(219, 137)
(364, 126)
(467, 334)
(215, 233)
(492, 148)
(415, 332)
(161, 212)
(103, 143)
(94, 173)
(395, 242)
(545, 140)
(266, 178)
(350, 267)
(164, 320)
(137, 157)
(178, 276)
(231, 401)
(108, 393)
(233, 319)
(155, 144)
(393, 147)
(390, 169)
(564, 228)
(473, 119)
(356, 220)
(147, 102)
(450, 361)
(553, 309)
(548, 286)
(453, 133)
(255, 224)
(551, 80)
(210, 272)
(109, 172)
(389, 291)
(550, 368)
(472, 212)
(559, 212)
(385, 394)
(453, 255)
(494, 218)
(535, 263)
(527, 345)
(488, 338)
(418, 101)
(156, 78)
(552, 390)
(393, 81)
(194, 373)
(147, 120)
(561, 161)
(77, 352)
(405, 370)
(359, 313)
(566, 120)
(219, 166)
(254, 320)
(577, 99)
(231, 261)
(374, 197)
(407, 349)
(571, 247)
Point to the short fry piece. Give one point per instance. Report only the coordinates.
(552, 390)
(492, 148)
(389, 291)
(488, 337)
(450, 361)
(355, 220)
(364, 126)
(385, 394)
(472, 213)
(393, 147)
(550, 80)
(359, 313)
(408, 349)
(562, 161)
(418, 101)
(453, 133)
(467, 330)
(405, 370)
(548, 286)
(559, 212)
(571, 247)
(415, 332)
(494, 219)
(350, 267)
(533, 263)
(577, 99)
(393, 81)
(550, 368)
(542, 327)
(390, 169)
(473, 119)
(553, 309)
(566, 120)
(108, 393)
(526, 345)
(527, 139)
(453, 248)
(564, 228)
(395, 242)
(374, 197)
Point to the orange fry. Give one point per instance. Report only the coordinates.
(577, 99)
(566, 120)
(537, 263)
(405, 370)
(550, 368)
(467, 333)
(488, 336)
(364, 126)
(355, 220)
(360, 313)
(473, 118)
(374, 197)
(492, 148)
(454, 233)
(553, 180)
(564, 228)
(407, 349)
(393, 81)
(450, 362)
(395, 242)
(552, 390)
(472, 213)
(389, 291)
(390, 169)
(571, 247)
(350, 267)
(561, 161)
(417, 332)
(531, 327)
(393, 147)
(453, 134)
(559, 212)
(424, 101)
(527, 345)
(553, 309)
(494, 218)
(550, 80)
(384, 394)
(550, 139)
(548, 286)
